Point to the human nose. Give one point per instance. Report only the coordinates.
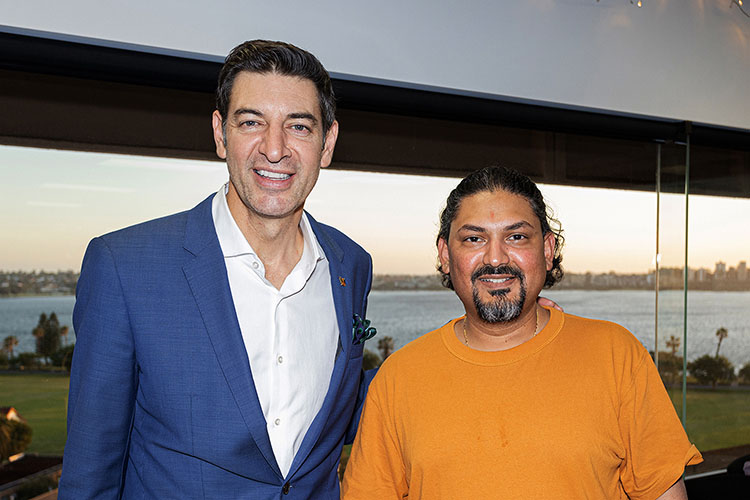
(495, 253)
(273, 146)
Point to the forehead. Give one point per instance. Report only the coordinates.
(491, 209)
(267, 92)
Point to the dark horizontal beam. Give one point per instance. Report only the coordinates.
(52, 54)
(487, 109)
(110, 63)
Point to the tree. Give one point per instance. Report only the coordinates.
(39, 331)
(673, 343)
(386, 347)
(370, 360)
(712, 370)
(15, 437)
(721, 334)
(63, 357)
(744, 374)
(9, 343)
(47, 333)
(670, 367)
(27, 360)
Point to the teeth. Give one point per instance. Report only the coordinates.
(495, 280)
(273, 175)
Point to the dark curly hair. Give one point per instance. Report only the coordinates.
(496, 178)
(264, 56)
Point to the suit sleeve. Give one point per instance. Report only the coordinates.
(102, 383)
(365, 376)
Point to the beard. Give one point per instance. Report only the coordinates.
(500, 309)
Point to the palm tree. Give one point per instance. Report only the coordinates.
(9, 343)
(721, 334)
(38, 331)
(673, 343)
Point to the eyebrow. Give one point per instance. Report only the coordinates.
(518, 225)
(247, 111)
(472, 228)
(303, 116)
(294, 116)
(480, 229)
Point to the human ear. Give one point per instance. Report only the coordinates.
(444, 255)
(219, 138)
(549, 250)
(329, 144)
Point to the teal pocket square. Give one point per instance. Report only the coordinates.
(362, 330)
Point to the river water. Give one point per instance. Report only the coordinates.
(409, 314)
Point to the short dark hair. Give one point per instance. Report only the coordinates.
(264, 56)
(496, 178)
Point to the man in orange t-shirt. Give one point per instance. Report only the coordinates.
(514, 400)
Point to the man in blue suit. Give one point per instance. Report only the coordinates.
(215, 356)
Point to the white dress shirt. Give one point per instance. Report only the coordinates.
(291, 335)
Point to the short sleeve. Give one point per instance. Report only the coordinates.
(375, 470)
(656, 446)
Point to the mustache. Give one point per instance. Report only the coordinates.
(502, 269)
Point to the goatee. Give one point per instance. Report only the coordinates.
(500, 309)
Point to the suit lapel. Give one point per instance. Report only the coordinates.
(342, 299)
(207, 276)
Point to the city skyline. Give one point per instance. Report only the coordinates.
(38, 283)
(56, 201)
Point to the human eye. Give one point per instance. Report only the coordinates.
(248, 123)
(300, 128)
(473, 239)
(517, 237)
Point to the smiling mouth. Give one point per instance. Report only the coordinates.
(276, 176)
(496, 280)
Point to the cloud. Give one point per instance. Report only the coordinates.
(86, 187)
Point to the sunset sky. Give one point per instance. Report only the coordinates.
(54, 202)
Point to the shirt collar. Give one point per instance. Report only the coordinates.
(233, 242)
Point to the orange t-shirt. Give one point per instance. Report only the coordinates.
(577, 412)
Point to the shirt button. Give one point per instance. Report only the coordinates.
(277, 421)
(256, 265)
(280, 359)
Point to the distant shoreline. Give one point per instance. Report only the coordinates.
(439, 288)
(47, 284)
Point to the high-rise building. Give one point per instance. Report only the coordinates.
(720, 270)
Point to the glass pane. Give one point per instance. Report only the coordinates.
(718, 382)
(51, 204)
(669, 261)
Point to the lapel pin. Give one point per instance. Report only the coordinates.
(342, 281)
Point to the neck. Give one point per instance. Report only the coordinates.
(278, 242)
(484, 336)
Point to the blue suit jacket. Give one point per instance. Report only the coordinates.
(162, 402)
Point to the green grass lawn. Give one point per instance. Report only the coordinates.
(42, 400)
(717, 418)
